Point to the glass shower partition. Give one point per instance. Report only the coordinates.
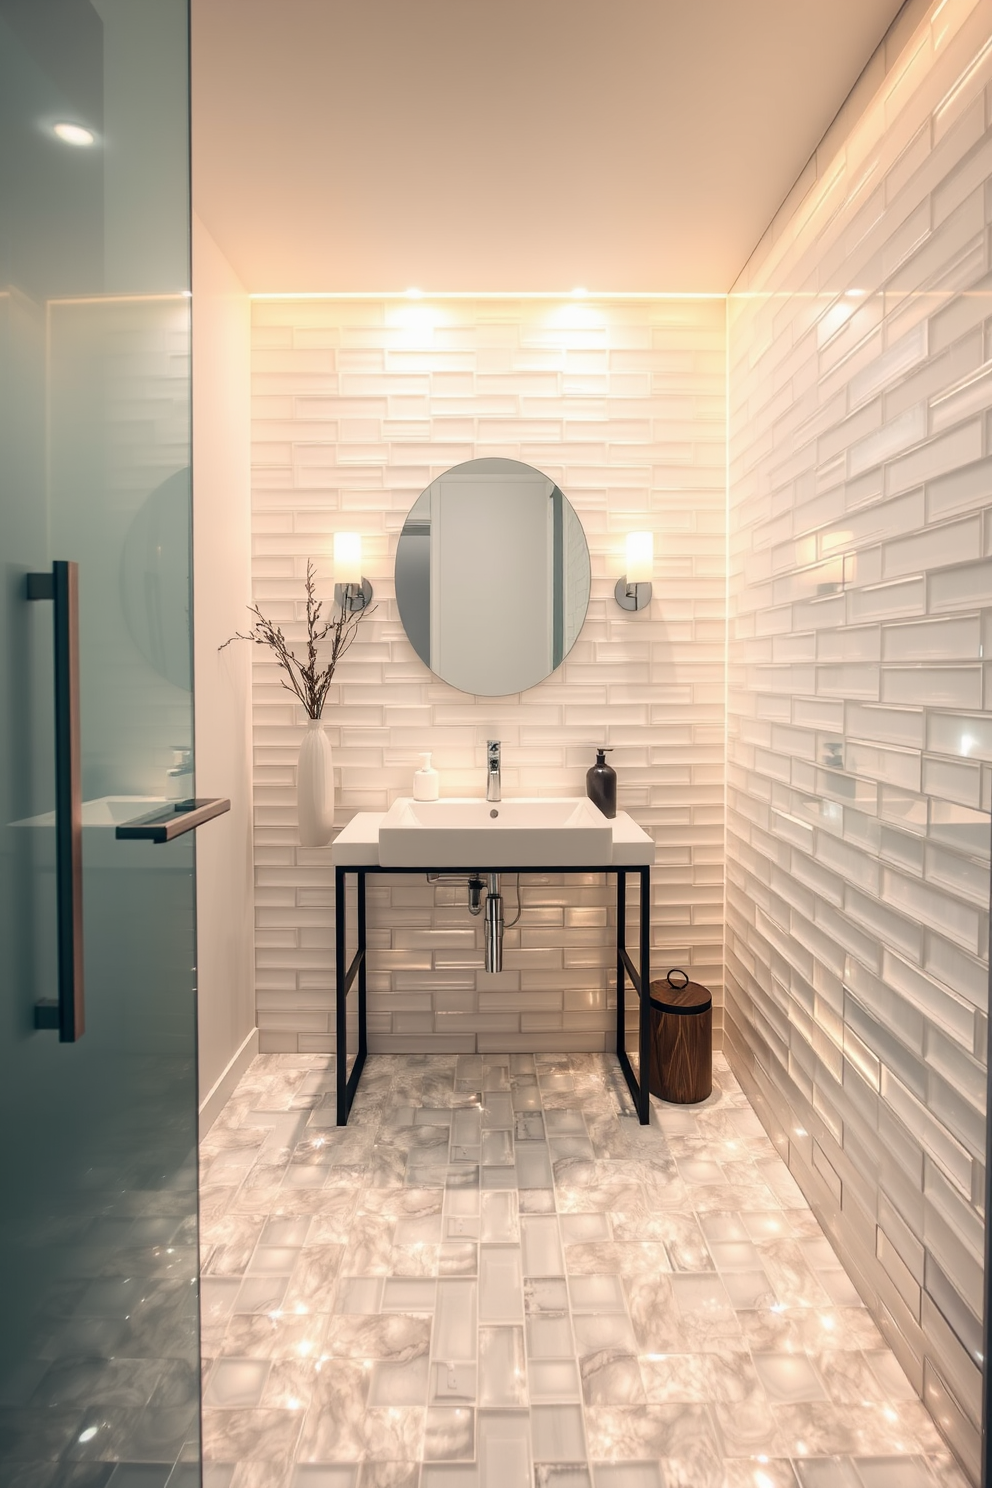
(99, 1341)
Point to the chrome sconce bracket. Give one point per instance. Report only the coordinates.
(632, 596)
(353, 597)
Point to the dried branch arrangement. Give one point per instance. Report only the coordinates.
(307, 680)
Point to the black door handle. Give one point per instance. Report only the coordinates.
(68, 1014)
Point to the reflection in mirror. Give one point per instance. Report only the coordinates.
(155, 579)
(492, 577)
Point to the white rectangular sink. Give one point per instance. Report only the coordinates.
(103, 811)
(566, 833)
(100, 847)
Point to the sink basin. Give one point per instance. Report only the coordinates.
(567, 833)
(100, 847)
(103, 811)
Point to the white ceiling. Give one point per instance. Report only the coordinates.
(508, 145)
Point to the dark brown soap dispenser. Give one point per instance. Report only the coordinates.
(601, 783)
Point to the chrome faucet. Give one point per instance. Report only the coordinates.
(492, 771)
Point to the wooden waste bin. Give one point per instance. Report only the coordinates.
(681, 1067)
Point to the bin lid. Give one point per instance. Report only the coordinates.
(669, 995)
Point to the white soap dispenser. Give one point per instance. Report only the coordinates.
(179, 779)
(426, 782)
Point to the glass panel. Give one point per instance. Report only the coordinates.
(99, 1346)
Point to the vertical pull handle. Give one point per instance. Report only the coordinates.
(67, 1015)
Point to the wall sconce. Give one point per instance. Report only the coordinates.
(352, 590)
(633, 591)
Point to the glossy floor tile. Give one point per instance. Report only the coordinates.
(495, 1278)
(98, 1375)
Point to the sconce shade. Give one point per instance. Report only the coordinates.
(640, 557)
(347, 558)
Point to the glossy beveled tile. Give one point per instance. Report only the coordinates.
(855, 730)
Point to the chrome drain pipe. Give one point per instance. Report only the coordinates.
(494, 925)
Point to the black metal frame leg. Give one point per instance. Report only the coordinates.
(346, 975)
(640, 979)
(343, 981)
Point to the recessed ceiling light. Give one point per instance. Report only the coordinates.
(579, 292)
(413, 293)
(74, 134)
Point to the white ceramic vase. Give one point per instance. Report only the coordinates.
(315, 787)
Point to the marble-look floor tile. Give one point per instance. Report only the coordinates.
(687, 1432)
(261, 1294)
(597, 1294)
(627, 1475)
(450, 1434)
(455, 1326)
(264, 1435)
(827, 1472)
(557, 1434)
(458, 1258)
(390, 1336)
(358, 1294)
(290, 1384)
(236, 1382)
(788, 1377)
(495, 1278)
(259, 1475)
(609, 1330)
(546, 1294)
(611, 1377)
(743, 1472)
(562, 1475)
(500, 1284)
(340, 1475)
(393, 1434)
(399, 1384)
(579, 1229)
(453, 1384)
(502, 1368)
(400, 1294)
(700, 1378)
(503, 1446)
(549, 1336)
(848, 1377)
(251, 1337)
(553, 1380)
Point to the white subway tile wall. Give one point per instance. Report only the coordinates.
(358, 405)
(859, 689)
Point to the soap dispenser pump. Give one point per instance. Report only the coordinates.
(179, 780)
(601, 783)
(426, 781)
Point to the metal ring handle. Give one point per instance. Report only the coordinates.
(677, 971)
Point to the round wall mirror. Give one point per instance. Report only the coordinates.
(492, 577)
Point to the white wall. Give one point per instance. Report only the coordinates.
(860, 734)
(359, 405)
(221, 590)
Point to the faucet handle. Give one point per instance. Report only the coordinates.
(493, 751)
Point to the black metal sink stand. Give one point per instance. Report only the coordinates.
(348, 973)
